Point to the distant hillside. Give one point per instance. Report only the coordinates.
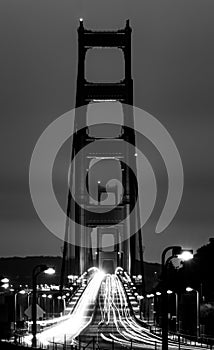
(19, 270)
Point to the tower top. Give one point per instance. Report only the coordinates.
(81, 27)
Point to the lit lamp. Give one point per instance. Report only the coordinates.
(157, 307)
(5, 283)
(189, 289)
(185, 255)
(38, 269)
(149, 296)
(21, 292)
(177, 252)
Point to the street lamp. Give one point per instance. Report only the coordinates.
(149, 310)
(189, 289)
(36, 271)
(5, 283)
(157, 307)
(177, 252)
(22, 292)
(176, 309)
(5, 280)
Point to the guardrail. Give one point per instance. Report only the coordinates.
(187, 339)
(96, 343)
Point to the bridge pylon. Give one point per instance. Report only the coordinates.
(103, 178)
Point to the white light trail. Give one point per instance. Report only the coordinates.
(76, 321)
(127, 326)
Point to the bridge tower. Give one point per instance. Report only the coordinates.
(107, 154)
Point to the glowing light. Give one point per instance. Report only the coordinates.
(150, 295)
(53, 287)
(75, 321)
(93, 268)
(50, 271)
(189, 289)
(5, 280)
(185, 255)
(104, 100)
(115, 309)
(22, 292)
(5, 285)
(169, 291)
(158, 293)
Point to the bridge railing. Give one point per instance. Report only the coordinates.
(94, 344)
(186, 339)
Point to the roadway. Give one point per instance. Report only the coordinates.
(103, 313)
(66, 328)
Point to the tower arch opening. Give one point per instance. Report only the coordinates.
(99, 115)
(104, 65)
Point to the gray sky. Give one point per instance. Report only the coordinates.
(173, 72)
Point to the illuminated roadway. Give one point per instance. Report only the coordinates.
(70, 326)
(118, 325)
(102, 312)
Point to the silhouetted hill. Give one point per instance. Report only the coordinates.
(19, 270)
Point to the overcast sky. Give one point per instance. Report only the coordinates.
(173, 72)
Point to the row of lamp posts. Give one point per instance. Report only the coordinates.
(177, 252)
(184, 255)
(37, 270)
(154, 311)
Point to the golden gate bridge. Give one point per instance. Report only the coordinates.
(100, 248)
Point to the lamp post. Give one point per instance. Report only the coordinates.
(180, 253)
(157, 308)
(176, 313)
(36, 271)
(150, 308)
(189, 289)
(22, 292)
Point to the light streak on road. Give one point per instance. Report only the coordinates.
(76, 321)
(127, 328)
(118, 323)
